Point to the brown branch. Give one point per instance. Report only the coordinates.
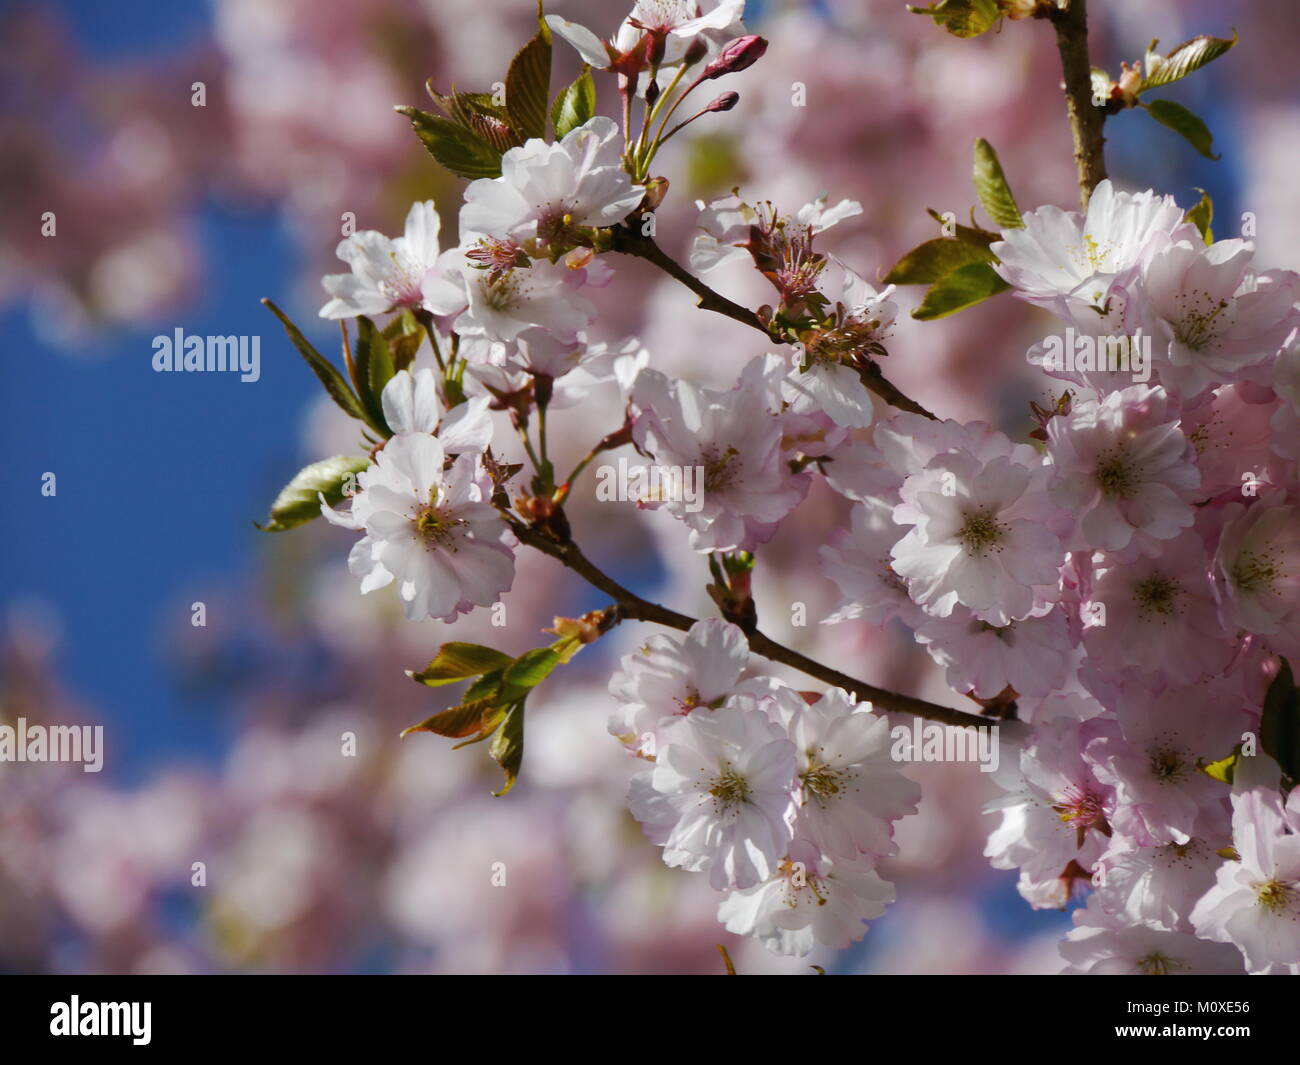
(1070, 20)
(632, 606)
(632, 242)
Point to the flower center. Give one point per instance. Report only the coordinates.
(981, 533)
(1115, 476)
(498, 257)
(661, 15)
(1157, 964)
(1080, 809)
(1196, 325)
(730, 789)
(1254, 572)
(402, 286)
(1158, 594)
(1274, 895)
(823, 781)
(719, 472)
(849, 335)
(435, 527)
(1167, 765)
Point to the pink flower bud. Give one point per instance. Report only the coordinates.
(725, 102)
(736, 55)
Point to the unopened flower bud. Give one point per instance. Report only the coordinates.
(1130, 81)
(736, 55)
(725, 102)
(651, 92)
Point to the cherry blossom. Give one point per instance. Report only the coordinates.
(723, 787)
(735, 438)
(1066, 262)
(548, 192)
(1123, 466)
(385, 274)
(428, 529)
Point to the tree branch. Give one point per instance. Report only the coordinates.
(633, 607)
(631, 242)
(1070, 20)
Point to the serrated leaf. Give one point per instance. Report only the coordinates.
(992, 188)
(575, 104)
(379, 367)
(462, 152)
(299, 502)
(529, 670)
(326, 372)
(969, 234)
(1201, 215)
(1182, 121)
(373, 366)
(934, 260)
(460, 661)
(1185, 58)
(528, 85)
(1279, 727)
(470, 718)
(508, 747)
(961, 289)
(961, 18)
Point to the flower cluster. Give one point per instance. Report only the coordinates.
(1120, 587)
(786, 799)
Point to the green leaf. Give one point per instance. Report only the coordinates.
(961, 18)
(470, 718)
(1201, 215)
(529, 670)
(462, 152)
(299, 502)
(969, 234)
(1279, 727)
(508, 747)
(1176, 117)
(1187, 57)
(935, 260)
(404, 335)
(528, 85)
(479, 113)
(963, 288)
(574, 105)
(991, 186)
(374, 366)
(1223, 769)
(460, 661)
(326, 372)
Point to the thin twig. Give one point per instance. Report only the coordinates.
(630, 241)
(633, 607)
(1070, 20)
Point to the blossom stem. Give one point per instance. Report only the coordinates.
(652, 113)
(1086, 121)
(630, 241)
(425, 318)
(632, 607)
